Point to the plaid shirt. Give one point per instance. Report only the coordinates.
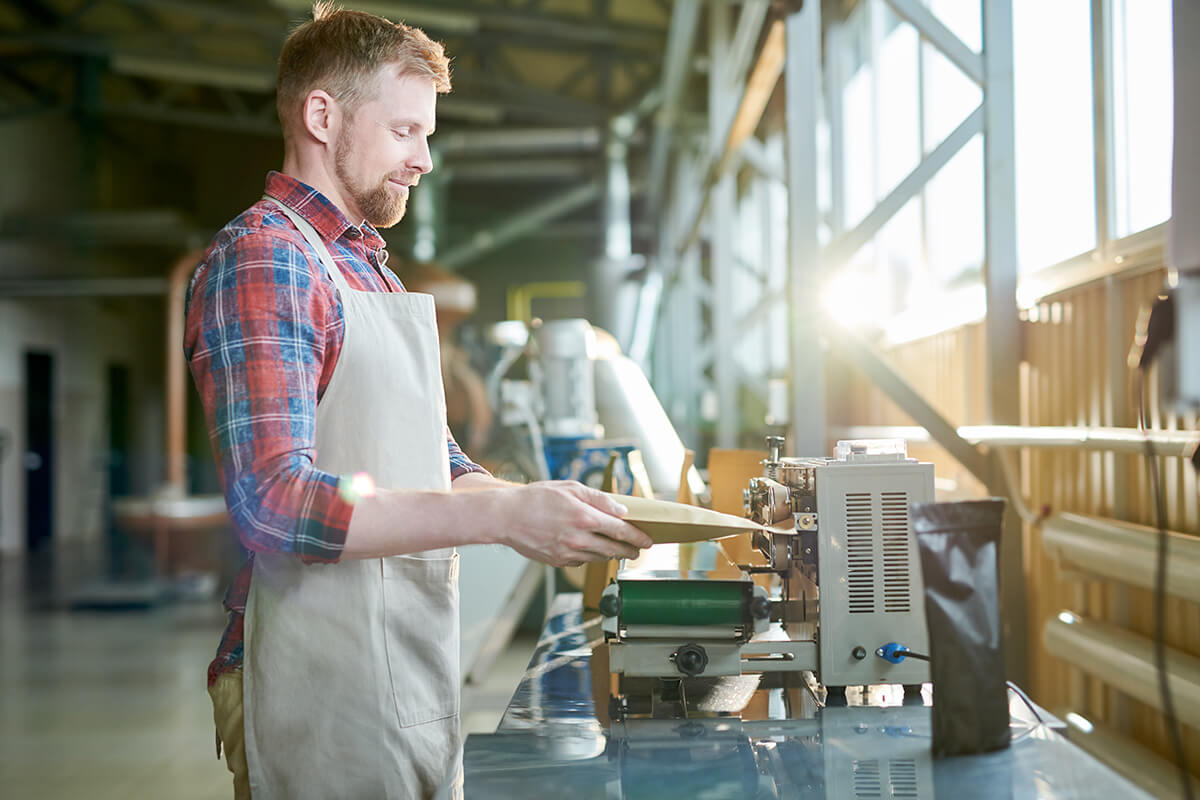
(263, 333)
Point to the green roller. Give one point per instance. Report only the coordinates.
(684, 602)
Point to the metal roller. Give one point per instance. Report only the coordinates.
(685, 602)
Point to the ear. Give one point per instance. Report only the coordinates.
(320, 115)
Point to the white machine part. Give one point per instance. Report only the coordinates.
(869, 574)
(851, 581)
(566, 377)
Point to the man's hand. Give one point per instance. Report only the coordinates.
(565, 524)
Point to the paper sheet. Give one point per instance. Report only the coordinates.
(664, 521)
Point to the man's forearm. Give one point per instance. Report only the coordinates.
(396, 522)
(478, 480)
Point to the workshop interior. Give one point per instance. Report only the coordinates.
(882, 315)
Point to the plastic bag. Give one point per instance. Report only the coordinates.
(959, 544)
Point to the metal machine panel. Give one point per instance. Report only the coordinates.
(870, 576)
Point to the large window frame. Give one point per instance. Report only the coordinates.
(1139, 251)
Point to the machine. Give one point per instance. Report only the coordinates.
(846, 602)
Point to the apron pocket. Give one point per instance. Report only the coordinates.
(420, 597)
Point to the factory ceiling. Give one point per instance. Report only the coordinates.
(536, 83)
(212, 62)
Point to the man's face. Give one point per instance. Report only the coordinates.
(382, 148)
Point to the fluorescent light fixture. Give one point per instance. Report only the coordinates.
(442, 20)
(1067, 617)
(471, 110)
(253, 79)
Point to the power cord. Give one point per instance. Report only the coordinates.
(1154, 329)
(1160, 594)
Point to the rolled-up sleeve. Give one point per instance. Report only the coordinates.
(258, 323)
(460, 464)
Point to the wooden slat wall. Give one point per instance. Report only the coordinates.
(1072, 374)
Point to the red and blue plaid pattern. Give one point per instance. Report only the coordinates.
(263, 333)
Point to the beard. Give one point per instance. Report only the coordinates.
(380, 204)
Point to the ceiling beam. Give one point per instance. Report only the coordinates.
(448, 17)
(520, 224)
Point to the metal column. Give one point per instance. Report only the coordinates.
(721, 211)
(803, 87)
(1000, 277)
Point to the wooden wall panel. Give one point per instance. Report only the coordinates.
(1072, 373)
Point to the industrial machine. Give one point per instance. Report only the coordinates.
(846, 603)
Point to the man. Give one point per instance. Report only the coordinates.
(320, 381)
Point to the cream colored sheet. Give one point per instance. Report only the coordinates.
(664, 521)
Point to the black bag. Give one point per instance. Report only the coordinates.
(959, 545)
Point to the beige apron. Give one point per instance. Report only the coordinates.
(351, 669)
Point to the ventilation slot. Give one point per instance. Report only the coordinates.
(867, 781)
(860, 562)
(902, 774)
(897, 590)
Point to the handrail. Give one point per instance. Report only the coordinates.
(1179, 444)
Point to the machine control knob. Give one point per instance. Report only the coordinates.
(690, 659)
(610, 605)
(859, 652)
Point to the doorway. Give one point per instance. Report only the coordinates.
(120, 552)
(39, 451)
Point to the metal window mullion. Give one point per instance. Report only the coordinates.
(941, 37)
(844, 248)
(1102, 125)
(923, 200)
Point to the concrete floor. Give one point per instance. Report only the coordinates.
(112, 704)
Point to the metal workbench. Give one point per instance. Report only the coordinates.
(781, 743)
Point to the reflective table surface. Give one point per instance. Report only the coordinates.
(744, 740)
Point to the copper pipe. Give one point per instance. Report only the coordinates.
(176, 371)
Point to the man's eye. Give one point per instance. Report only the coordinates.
(401, 133)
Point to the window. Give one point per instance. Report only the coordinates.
(1142, 114)
(1055, 145)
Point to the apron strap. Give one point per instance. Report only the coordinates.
(314, 240)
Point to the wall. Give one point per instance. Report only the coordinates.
(84, 337)
(43, 176)
(1074, 344)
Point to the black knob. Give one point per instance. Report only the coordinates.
(610, 604)
(690, 659)
(859, 652)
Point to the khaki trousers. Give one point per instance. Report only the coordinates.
(226, 694)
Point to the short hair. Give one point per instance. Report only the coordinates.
(342, 51)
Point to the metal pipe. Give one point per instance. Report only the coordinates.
(685, 16)
(531, 140)
(1179, 444)
(1124, 552)
(83, 287)
(1125, 661)
(1136, 762)
(743, 119)
(521, 223)
(1118, 440)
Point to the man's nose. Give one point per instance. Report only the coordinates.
(422, 160)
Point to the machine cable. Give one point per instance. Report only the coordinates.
(1154, 329)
